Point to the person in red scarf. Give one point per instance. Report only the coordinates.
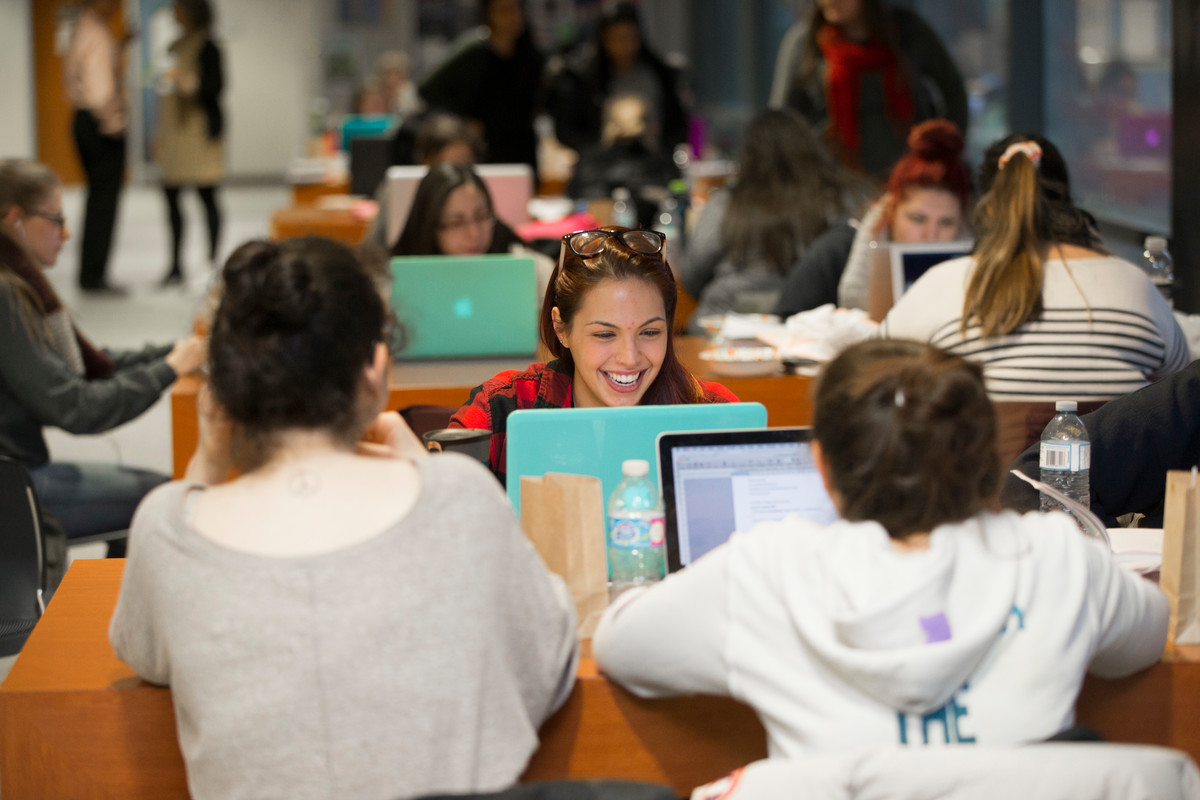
(864, 73)
(50, 374)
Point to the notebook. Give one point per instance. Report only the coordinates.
(510, 187)
(465, 306)
(911, 261)
(594, 441)
(718, 482)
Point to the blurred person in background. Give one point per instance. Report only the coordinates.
(618, 63)
(747, 237)
(863, 72)
(94, 70)
(493, 80)
(191, 127)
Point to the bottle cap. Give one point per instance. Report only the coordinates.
(635, 467)
(1156, 244)
(1066, 405)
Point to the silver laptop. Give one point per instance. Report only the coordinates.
(717, 482)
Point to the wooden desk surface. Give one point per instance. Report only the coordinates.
(340, 224)
(448, 383)
(74, 718)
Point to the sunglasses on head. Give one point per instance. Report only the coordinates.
(586, 244)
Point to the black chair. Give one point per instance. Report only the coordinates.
(21, 602)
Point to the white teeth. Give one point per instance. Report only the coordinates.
(624, 380)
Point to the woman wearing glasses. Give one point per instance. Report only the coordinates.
(452, 215)
(607, 320)
(50, 374)
(338, 620)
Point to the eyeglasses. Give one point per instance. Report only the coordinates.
(54, 219)
(393, 334)
(586, 244)
(486, 219)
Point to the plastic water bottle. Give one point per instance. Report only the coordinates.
(1066, 456)
(623, 211)
(636, 552)
(1156, 260)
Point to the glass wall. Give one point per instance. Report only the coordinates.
(1108, 106)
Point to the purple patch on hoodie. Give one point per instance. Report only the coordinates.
(937, 628)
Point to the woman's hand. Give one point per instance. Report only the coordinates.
(188, 355)
(213, 460)
(389, 436)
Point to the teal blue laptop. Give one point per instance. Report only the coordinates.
(594, 441)
(465, 306)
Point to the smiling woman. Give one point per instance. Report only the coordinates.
(606, 320)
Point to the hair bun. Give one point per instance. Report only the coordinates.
(936, 140)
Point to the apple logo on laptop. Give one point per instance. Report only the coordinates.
(464, 308)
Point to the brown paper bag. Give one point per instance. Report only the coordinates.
(563, 515)
(1180, 576)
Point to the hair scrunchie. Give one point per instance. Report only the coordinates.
(1031, 150)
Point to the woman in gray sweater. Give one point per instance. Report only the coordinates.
(340, 620)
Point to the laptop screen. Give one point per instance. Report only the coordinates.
(911, 261)
(715, 483)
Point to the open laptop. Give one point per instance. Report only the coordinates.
(510, 186)
(594, 441)
(911, 261)
(465, 306)
(718, 482)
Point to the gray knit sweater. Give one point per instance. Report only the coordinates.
(421, 660)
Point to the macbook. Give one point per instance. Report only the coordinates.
(465, 306)
(718, 482)
(911, 261)
(594, 441)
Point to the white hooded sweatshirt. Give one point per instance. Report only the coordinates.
(838, 640)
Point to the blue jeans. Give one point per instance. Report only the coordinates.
(92, 498)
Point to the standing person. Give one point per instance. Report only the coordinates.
(865, 73)
(925, 200)
(1040, 303)
(921, 617)
(746, 239)
(493, 79)
(619, 63)
(190, 127)
(94, 69)
(51, 375)
(606, 320)
(339, 620)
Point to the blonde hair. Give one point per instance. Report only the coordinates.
(1026, 209)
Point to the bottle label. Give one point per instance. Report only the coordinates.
(636, 532)
(1066, 457)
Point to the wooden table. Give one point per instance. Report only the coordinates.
(341, 224)
(76, 722)
(448, 383)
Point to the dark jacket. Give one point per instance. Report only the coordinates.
(578, 93)
(813, 281)
(1135, 440)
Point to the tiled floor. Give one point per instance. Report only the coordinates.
(148, 314)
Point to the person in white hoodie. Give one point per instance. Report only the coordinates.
(920, 618)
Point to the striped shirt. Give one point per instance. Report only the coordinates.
(1104, 331)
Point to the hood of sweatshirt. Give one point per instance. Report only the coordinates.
(905, 628)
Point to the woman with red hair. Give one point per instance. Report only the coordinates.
(926, 200)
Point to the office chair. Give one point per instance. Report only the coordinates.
(21, 603)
